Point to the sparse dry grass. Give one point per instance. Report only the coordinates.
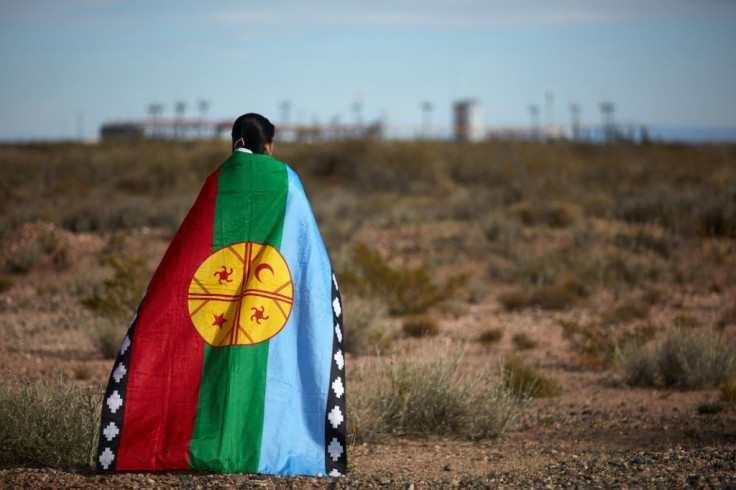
(522, 378)
(728, 389)
(596, 343)
(367, 326)
(554, 225)
(47, 424)
(435, 394)
(119, 294)
(692, 358)
(406, 290)
(689, 358)
(106, 335)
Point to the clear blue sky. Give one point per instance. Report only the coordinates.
(662, 62)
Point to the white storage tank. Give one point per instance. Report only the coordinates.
(469, 120)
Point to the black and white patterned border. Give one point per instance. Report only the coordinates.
(336, 458)
(111, 425)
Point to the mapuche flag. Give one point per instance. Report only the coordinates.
(233, 362)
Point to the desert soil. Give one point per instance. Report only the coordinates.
(596, 434)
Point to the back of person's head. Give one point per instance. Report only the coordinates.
(252, 131)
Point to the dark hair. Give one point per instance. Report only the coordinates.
(252, 131)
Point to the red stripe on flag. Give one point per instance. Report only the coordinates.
(167, 352)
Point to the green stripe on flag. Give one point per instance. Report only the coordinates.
(251, 202)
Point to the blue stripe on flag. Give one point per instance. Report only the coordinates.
(299, 356)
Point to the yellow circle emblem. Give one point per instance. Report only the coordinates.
(241, 295)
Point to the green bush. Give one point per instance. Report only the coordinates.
(51, 425)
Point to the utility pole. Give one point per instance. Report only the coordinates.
(549, 101)
(179, 107)
(534, 113)
(575, 111)
(609, 129)
(202, 105)
(427, 108)
(357, 114)
(155, 109)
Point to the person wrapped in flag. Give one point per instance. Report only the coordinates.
(234, 361)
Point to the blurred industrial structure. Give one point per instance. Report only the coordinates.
(468, 121)
(468, 125)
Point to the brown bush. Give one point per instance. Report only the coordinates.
(406, 290)
(515, 299)
(560, 215)
(420, 326)
(553, 297)
(51, 425)
(491, 335)
(433, 394)
(728, 389)
(521, 377)
(625, 311)
(522, 341)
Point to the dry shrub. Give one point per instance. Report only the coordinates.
(25, 258)
(523, 342)
(596, 343)
(685, 320)
(585, 263)
(638, 364)
(491, 335)
(522, 378)
(693, 358)
(52, 425)
(477, 291)
(106, 335)
(525, 212)
(5, 283)
(728, 390)
(367, 326)
(549, 297)
(627, 310)
(406, 290)
(560, 215)
(553, 297)
(435, 394)
(686, 358)
(727, 316)
(119, 295)
(515, 299)
(420, 326)
(716, 215)
(646, 239)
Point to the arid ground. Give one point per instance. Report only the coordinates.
(583, 264)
